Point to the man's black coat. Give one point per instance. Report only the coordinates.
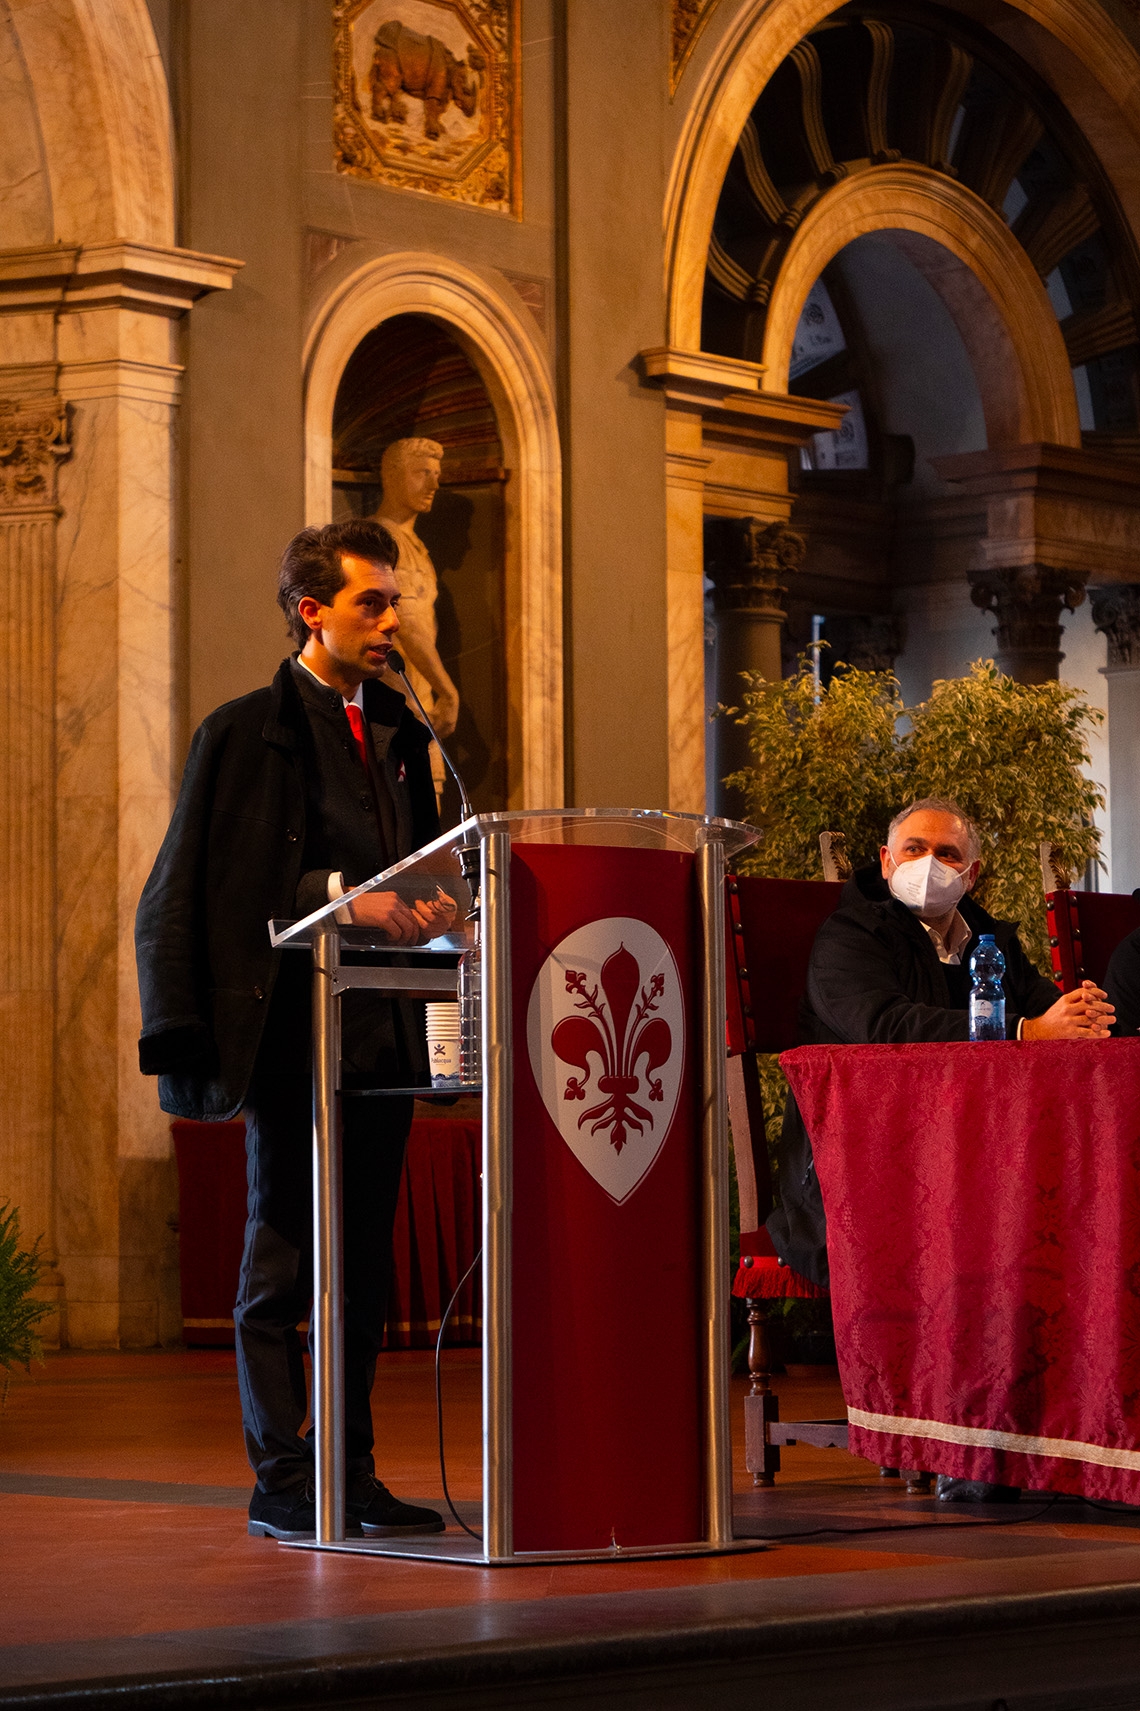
(232, 858)
(875, 979)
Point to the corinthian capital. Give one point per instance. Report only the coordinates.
(1116, 613)
(749, 561)
(33, 438)
(1027, 601)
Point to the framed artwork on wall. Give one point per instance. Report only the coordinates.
(427, 97)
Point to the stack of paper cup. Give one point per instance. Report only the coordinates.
(443, 1044)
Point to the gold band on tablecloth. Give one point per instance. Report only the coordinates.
(984, 1438)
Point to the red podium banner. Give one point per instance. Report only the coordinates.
(606, 1363)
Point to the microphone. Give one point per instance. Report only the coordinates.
(396, 661)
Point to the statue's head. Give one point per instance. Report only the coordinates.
(409, 471)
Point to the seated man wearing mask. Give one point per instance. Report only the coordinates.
(892, 967)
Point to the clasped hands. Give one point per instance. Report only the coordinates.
(403, 923)
(1083, 1014)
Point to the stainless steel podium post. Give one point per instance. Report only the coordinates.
(498, 1136)
(328, 1238)
(714, 1161)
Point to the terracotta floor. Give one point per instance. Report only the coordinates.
(123, 1487)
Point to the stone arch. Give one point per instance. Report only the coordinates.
(993, 293)
(1090, 62)
(495, 333)
(95, 82)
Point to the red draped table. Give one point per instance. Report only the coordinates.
(983, 1216)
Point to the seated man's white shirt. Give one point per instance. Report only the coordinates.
(951, 947)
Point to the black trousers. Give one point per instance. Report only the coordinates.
(275, 1288)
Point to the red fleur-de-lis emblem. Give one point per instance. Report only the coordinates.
(621, 1029)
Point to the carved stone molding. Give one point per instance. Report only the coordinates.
(446, 126)
(749, 563)
(689, 19)
(1027, 601)
(1116, 613)
(33, 438)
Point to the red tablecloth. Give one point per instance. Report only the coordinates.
(983, 1210)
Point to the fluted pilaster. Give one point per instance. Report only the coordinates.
(32, 439)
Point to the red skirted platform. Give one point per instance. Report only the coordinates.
(435, 1240)
(983, 1206)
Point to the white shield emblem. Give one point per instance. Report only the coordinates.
(606, 1033)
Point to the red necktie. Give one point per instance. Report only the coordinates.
(356, 721)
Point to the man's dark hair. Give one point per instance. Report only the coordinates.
(311, 565)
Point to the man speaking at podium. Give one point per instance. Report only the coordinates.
(291, 796)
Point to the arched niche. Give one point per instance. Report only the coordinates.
(505, 351)
(410, 378)
(982, 274)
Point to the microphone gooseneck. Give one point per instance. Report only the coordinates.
(396, 661)
(469, 855)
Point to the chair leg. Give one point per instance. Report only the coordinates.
(761, 1408)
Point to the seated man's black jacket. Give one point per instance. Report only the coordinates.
(233, 857)
(1122, 983)
(875, 979)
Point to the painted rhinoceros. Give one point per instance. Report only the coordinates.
(405, 63)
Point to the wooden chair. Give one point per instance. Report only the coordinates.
(1085, 927)
(772, 924)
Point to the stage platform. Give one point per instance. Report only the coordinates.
(129, 1579)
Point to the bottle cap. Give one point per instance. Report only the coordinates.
(986, 939)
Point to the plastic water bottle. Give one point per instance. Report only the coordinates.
(987, 998)
(470, 996)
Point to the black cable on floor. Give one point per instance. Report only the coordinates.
(919, 1526)
(439, 1395)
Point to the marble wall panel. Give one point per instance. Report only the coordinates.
(148, 1284)
(685, 594)
(114, 699)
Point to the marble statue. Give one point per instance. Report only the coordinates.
(409, 472)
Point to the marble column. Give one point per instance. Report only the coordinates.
(1116, 613)
(727, 449)
(88, 756)
(749, 562)
(1027, 600)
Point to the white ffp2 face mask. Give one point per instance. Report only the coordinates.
(928, 886)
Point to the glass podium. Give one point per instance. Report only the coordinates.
(600, 937)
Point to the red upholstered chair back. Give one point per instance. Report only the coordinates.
(1085, 928)
(772, 924)
(772, 928)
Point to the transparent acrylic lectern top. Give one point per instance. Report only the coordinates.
(439, 865)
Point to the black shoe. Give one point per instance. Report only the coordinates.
(950, 1490)
(289, 1514)
(372, 1508)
